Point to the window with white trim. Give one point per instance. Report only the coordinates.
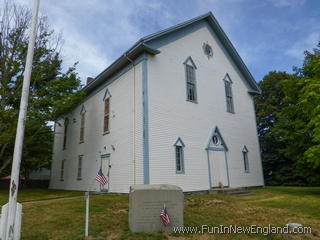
(245, 159)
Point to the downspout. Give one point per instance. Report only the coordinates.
(134, 119)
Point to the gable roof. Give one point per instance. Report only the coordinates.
(143, 45)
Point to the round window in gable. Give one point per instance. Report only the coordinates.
(215, 140)
(207, 49)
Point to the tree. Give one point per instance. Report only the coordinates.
(52, 91)
(288, 118)
(309, 102)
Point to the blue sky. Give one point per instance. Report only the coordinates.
(268, 34)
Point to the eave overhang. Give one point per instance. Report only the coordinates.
(125, 59)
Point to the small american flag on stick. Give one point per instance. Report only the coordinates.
(164, 216)
(101, 178)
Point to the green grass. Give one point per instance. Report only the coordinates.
(64, 219)
(26, 195)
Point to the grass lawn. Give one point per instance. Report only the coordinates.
(64, 219)
(26, 195)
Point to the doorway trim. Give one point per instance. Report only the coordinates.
(103, 156)
(215, 131)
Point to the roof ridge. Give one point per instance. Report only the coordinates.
(179, 25)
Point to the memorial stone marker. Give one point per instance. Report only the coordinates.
(146, 203)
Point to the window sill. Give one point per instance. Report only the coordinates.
(182, 172)
(79, 179)
(231, 112)
(81, 142)
(105, 133)
(196, 102)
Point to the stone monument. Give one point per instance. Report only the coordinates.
(146, 203)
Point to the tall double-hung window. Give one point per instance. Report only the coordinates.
(65, 132)
(191, 83)
(82, 123)
(229, 96)
(62, 170)
(79, 173)
(106, 115)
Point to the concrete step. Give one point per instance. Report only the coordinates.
(230, 191)
(243, 193)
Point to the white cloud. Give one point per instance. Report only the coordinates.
(298, 48)
(287, 3)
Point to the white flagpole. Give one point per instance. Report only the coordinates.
(87, 196)
(14, 182)
(87, 213)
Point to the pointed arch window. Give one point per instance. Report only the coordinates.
(190, 69)
(245, 159)
(229, 97)
(179, 155)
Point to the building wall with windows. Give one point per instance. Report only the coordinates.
(118, 141)
(173, 115)
(183, 116)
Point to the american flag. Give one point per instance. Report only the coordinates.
(164, 216)
(101, 178)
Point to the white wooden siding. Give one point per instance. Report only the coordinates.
(171, 116)
(95, 143)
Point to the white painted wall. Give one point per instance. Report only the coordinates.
(95, 143)
(171, 116)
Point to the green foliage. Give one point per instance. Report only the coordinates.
(288, 117)
(52, 91)
(309, 102)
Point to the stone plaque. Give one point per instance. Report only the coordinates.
(146, 203)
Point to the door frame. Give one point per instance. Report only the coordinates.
(215, 131)
(106, 156)
(210, 165)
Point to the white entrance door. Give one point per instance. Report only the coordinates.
(105, 167)
(219, 175)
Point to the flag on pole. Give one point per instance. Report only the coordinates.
(164, 216)
(101, 178)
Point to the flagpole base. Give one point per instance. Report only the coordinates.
(4, 221)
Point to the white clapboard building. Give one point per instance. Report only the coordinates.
(176, 108)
